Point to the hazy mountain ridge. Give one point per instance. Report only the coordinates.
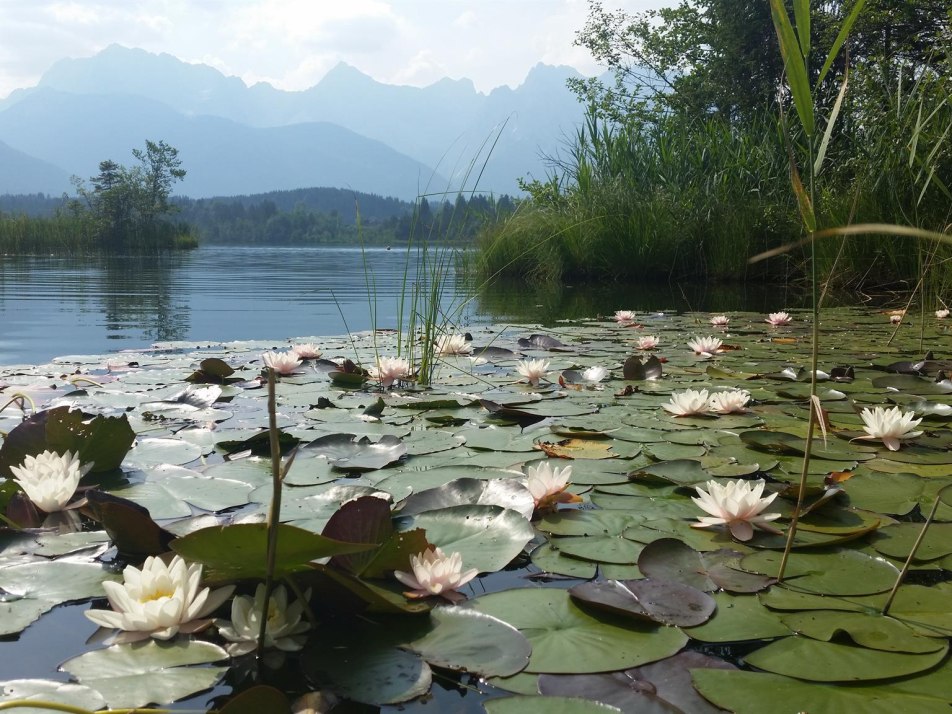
(239, 139)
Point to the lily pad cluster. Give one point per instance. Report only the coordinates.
(607, 598)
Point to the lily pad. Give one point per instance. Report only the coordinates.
(833, 572)
(44, 690)
(568, 640)
(148, 672)
(347, 453)
(487, 537)
(664, 601)
(671, 558)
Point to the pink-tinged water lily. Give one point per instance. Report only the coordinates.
(547, 486)
(453, 345)
(306, 351)
(648, 342)
(890, 425)
(732, 401)
(594, 375)
(942, 314)
(625, 318)
(736, 504)
(435, 573)
(533, 369)
(158, 601)
(779, 318)
(282, 362)
(719, 320)
(689, 402)
(390, 369)
(283, 628)
(49, 479)
(895, 319)
(705, 346)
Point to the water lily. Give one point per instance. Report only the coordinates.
(435, 573)
(533, 369)
(730, 401)
(647, 342)
(689, 402)
(890, 425)
(307, 350)
(895, 319)
(625, 318)
(158, 601)
(282, 362)
(720, 320)
(547, 486)
(594, 375)
(738, 505)
(282, 630)
(779, 318)
(453, 345)
(942, 314)
(49, 479)
(705, 346)
(390, 369)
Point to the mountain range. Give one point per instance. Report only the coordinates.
(347, 131)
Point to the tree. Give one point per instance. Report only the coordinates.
(128, 206)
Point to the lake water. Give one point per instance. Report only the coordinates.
(52, 306)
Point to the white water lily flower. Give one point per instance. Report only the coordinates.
(282, 630)
(895, 319)
(706, 346)
(942, 314)
(890, 425)
(281, 362)
(720, 320)
(390, 369)
(50, 480)
(158, 601)
(779, 318)
(648, 342)
(307, 350)
(625, 317)
(594, 375)
(736, 504)
(689, 402)
(435, 573)
(533, 369)
(547, 486)
(730, 401)
(453, 345)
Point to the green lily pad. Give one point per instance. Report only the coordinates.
(548, 559)
(148, 672)
(739, 618)
(239, 551)
(876, 632)
(466, 640)
(44, 690)
(898, 540)
(755, 693)
(672, 559)
(832, 572)
(508, 493)
(487, 537)
(568, 640)
(345, 452)
(817, 661)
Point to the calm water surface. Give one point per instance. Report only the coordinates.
(52, 306)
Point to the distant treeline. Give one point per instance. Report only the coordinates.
(301, 217)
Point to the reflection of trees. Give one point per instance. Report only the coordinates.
(504, 301)
(139, 293)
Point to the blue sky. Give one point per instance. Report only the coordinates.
(293, 43)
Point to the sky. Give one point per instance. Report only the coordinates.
(293, 43)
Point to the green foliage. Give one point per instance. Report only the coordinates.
(684, 165)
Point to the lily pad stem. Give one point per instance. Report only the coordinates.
(21, 399)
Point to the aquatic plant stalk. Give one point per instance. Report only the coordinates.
(915, 547)
(274, 510)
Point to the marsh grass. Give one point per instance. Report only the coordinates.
(682, 199)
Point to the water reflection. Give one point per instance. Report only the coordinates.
(140, 296)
